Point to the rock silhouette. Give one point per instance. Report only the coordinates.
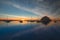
(45, 20)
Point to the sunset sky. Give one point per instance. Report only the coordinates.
(29, 8)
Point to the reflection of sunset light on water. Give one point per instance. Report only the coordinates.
(14, 23)
(23, 23)
(17, 22)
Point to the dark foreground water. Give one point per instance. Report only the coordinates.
(29, 31)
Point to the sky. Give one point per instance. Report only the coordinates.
(29, 8)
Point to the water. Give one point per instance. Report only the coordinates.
(29, 31)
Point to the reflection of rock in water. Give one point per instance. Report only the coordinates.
(55, 21)
(38, 21)
(7, 21)
(21, 21)
(45, 20)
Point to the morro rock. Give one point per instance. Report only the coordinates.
(45, 20)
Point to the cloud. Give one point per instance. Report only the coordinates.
(10, 16)
(35, 10)
(43, 8)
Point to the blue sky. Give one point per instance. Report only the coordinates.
(30, 8)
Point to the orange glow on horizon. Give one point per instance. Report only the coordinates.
(26, 18)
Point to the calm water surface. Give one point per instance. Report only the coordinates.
(29, 31)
